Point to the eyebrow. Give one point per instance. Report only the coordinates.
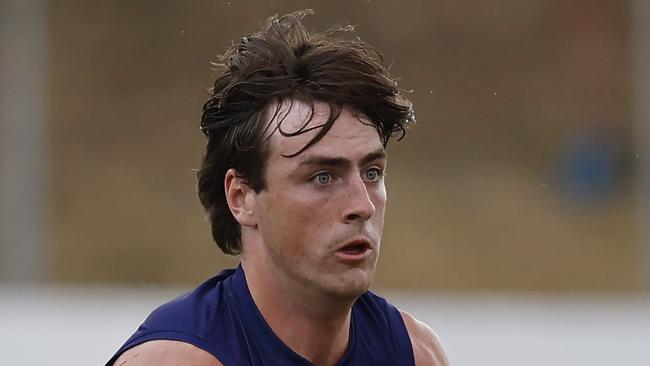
(341, 162)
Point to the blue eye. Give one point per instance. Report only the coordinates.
(373, 174)
(323, 178)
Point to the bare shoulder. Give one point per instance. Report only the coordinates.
(426, 346)
(166, 353)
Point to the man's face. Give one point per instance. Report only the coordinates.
(321, 215)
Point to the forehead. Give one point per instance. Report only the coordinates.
(293, 124)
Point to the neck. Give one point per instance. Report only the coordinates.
(312, 324)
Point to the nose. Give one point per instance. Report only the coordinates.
(358, 205)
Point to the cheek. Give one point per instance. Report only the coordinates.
(310, 215)
(378, 197)
(291, 220)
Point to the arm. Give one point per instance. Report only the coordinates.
(166, 353)
(427, 349)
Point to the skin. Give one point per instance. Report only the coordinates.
(314, 203)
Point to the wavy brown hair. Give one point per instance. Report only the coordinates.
(281, 63)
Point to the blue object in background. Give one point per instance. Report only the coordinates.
(588, 169)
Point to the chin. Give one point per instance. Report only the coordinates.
(353, 283)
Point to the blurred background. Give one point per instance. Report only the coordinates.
(517, 224)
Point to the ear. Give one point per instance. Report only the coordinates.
(240, 198)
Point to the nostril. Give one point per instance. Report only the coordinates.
(353, 217)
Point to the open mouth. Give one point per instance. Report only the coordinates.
(355, 251)
(357, 248)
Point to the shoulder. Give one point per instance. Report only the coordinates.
(192, 312)
(181, 328)
(166, 353)
(427, 349)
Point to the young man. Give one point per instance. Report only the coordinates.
(293, 182)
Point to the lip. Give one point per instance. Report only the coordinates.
(355, 257)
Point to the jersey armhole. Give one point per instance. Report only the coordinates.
(163, 335)
(400, 334)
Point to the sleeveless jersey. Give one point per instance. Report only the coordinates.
(221, 318)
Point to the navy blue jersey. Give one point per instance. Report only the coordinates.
(221, 318)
